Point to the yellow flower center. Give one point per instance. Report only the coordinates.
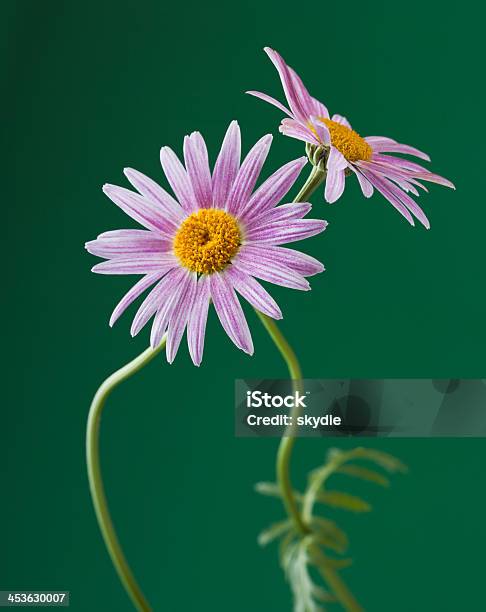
(347, 141)
(207, 240)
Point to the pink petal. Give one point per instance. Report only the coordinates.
(319, 110)
(144, 211)
(295, 260)
(280, 213)
(272, 190)
(197, 165)
(270, 100)
(335, 179)
(178, 179)
(137, 290)
(323, 134)
(412, 169)
(342, 120)
(229, 312)
(137, 264)
(372, 140)
(248, 174)
(151, 190)
(306, 100)
(269, 269)
(180, 315)
(412, 206)
(166, 309)
(366, 186)
(154, 300)
(386, 179)
(400, 177)
(399, 162)
(286, 231)
(435, 178)
(297, 96)
(399, 148)
(227, 165)
(253, 292)
(196, 326)
(295, 129)
(382, 187)
(127, 242)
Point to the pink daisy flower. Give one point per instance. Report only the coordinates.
(214, 241)
(345, 151)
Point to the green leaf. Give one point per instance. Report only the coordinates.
(274, 531)
(271, 489)
(384, 460)
(268, 488)
(364, 474)
(339, 564)
(345, 501)
(322, 595)
(333, 453)
(328, 534)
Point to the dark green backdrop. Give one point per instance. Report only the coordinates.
(91, 87)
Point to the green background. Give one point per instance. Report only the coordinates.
(91, 87)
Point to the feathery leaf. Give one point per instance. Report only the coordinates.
(345, 501)
(274, 531)
(364, 474)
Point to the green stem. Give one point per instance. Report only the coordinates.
(332, 578)
(96, 482)
(288, 440)
(343, 595)
(315, 178)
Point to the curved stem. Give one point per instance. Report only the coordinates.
(288, 440)
(315, 178)
(96, 482)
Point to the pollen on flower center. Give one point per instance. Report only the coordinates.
(347, 141)
(207, 240)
